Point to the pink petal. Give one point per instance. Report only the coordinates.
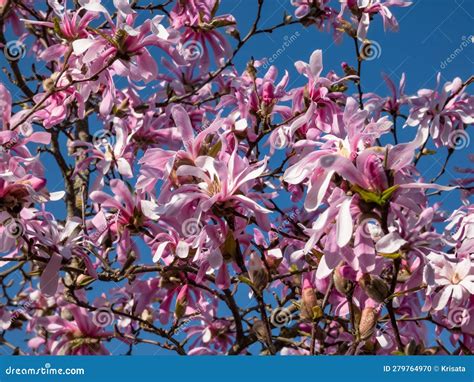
(183, 123)
(50, 277)
(316, 63)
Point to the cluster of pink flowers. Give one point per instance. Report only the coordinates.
(212, 211)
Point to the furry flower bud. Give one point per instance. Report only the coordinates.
(181, 302)
(374, 287)
(257, 272)
(368, 320)
(342, 284)
(258, 328)
(310, 309)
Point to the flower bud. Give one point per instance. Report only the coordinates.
(267, 93)
(411, 348)
(341, 283)
(374, 287)
(375, 170)
(274, 258)
(229, 247)
(251, 69)
(348, 70)
(258, 328)
(48, 83)
(257, 273)
(147, 316)
(310, 309)
(181, 302)
(368, 320)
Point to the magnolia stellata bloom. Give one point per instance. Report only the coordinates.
(442, 111)
(454, 276)
(78, 335)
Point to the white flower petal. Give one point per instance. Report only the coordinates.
(390, 243)
(182, 249)
(344, 224)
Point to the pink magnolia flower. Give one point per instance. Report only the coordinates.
(71, 26)
(78, 335)
(132, 213)
(391, 104)
(304, 7)
(221, 184)
(461, 222)
(158, 163)
(414, 232)
(201, 23)
(125, 49)
(57, 106)
(107, 153)
(320, 165)
(257, 97)
(316, 12)
(211, 332)
(55, 243)
(442, 111)
(323, 113)
(365, 9)
(454, 276)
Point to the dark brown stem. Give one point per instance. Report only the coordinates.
(389, 304)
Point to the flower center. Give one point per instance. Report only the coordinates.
(456, 279)
(214, 187)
